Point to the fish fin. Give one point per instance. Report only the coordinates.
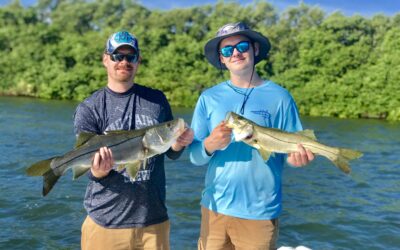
(133, 168)
(121, 167)
(115, 132)
(44, 168)
(78, 171)
(264, 154)
(255, 145)
(39, 168)
(83, 137)
(308, 133)
(49, 179)
(129, 133)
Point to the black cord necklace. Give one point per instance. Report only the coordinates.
(245, 95)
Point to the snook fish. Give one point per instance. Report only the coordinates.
(130, 149)
(268, 140)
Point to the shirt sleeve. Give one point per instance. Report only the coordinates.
(200, 126)
(84, 120)
(291, 118)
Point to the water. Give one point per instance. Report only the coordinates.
(323, 208)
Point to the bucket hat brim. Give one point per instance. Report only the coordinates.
(211, 49)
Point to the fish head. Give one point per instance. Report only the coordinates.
(242, 128)
(160, 138)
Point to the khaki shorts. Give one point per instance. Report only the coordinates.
(222, 232)
(95, 237)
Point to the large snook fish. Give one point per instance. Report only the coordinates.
(130, 149)
(268, 140)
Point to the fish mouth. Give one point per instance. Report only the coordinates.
(249, 137)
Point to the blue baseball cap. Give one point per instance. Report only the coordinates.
(119, 39)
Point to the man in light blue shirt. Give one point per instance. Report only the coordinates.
(241, 200)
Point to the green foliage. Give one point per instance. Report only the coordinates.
(333, 65)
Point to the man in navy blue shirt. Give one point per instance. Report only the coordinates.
(125, 212)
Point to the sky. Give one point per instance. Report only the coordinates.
(367, 8)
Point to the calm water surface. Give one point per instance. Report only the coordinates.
(323, 208)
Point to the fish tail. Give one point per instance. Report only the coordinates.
(342, 161)
(39, 168)
(49, 179)
(43, 168)
(342, 164)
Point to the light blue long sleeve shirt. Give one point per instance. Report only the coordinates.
(238, 181)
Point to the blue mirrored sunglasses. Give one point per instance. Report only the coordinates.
(131, 58)
(242, 47)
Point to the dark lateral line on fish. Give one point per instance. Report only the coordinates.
(116, 144)
(304, 144)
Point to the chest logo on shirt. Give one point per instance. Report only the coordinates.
(265, 115)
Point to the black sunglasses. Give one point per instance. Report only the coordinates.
(242, 47)
(131, 58)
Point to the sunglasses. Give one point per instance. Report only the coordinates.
(131, 58)
(242, 47)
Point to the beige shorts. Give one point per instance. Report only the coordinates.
(222, 232)
(95, 237)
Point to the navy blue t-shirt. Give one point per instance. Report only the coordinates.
(118, 201)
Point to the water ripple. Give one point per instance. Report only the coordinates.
(322, 207)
